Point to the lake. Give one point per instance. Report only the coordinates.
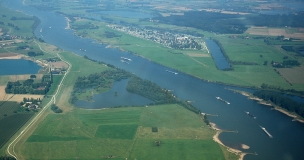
(111, 99)
(287, 141)
(18, 66)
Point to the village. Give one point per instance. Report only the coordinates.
(168, 39)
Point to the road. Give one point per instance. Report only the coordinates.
(11, 146)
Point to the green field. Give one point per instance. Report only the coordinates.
(56, 81)
(123, 133)
(23, 25)
(11, 124)
(8, 108)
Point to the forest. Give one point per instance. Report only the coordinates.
(282, 101)
(29, 87)
(231, 23)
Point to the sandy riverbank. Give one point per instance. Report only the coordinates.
(261, 101)
(11, 56)
(68, 23)
(216, 139)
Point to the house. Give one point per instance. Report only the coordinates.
(33, 106)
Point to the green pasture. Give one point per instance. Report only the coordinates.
(178, 149)
(54, 86)
(122, 133)
(24, 25)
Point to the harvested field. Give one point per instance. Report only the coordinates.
(16, 97)
(198, 55)
(19, 97)
(293, 75)
(23, 77)
(265, 31)
(59, 64)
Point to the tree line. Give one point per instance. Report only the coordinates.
(282, 101)
(231, 23)
(97, 81)
(155, 93)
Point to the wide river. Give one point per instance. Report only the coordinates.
(287, 141)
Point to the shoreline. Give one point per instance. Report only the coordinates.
(229, 149)
(275, 107)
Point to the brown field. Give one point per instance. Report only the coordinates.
(293, 75)
(169, 14)
(16, 97)
(224, 12)
(23, 77)
(198, 55)
(59, 64)
(265, 31)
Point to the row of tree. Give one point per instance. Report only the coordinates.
(33, 54)
(154, 92)
(282, 101)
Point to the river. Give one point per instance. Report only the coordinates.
(287, 141)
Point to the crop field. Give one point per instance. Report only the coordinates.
(286, 32)
(7, 108)
(293, 75)
(10, 124)
(122, 133)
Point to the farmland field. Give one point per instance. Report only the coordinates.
(122, 133)
(7, 108)
(10, 124)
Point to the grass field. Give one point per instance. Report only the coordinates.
(56, 81)
(123, 133)
(23, 25)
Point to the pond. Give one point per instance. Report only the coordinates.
(117, 96)
(18, 66)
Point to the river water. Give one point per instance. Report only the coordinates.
(287, 141)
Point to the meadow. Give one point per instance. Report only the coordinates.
(23, 25)
(123, 133)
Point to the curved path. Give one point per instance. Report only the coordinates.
(11, 146)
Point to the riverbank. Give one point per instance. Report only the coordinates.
(275, 107)
(11, 56)
(216, 139)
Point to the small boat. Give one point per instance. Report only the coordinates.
(250, 115)
(128, 59)
(171, 72)
(219, 98)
